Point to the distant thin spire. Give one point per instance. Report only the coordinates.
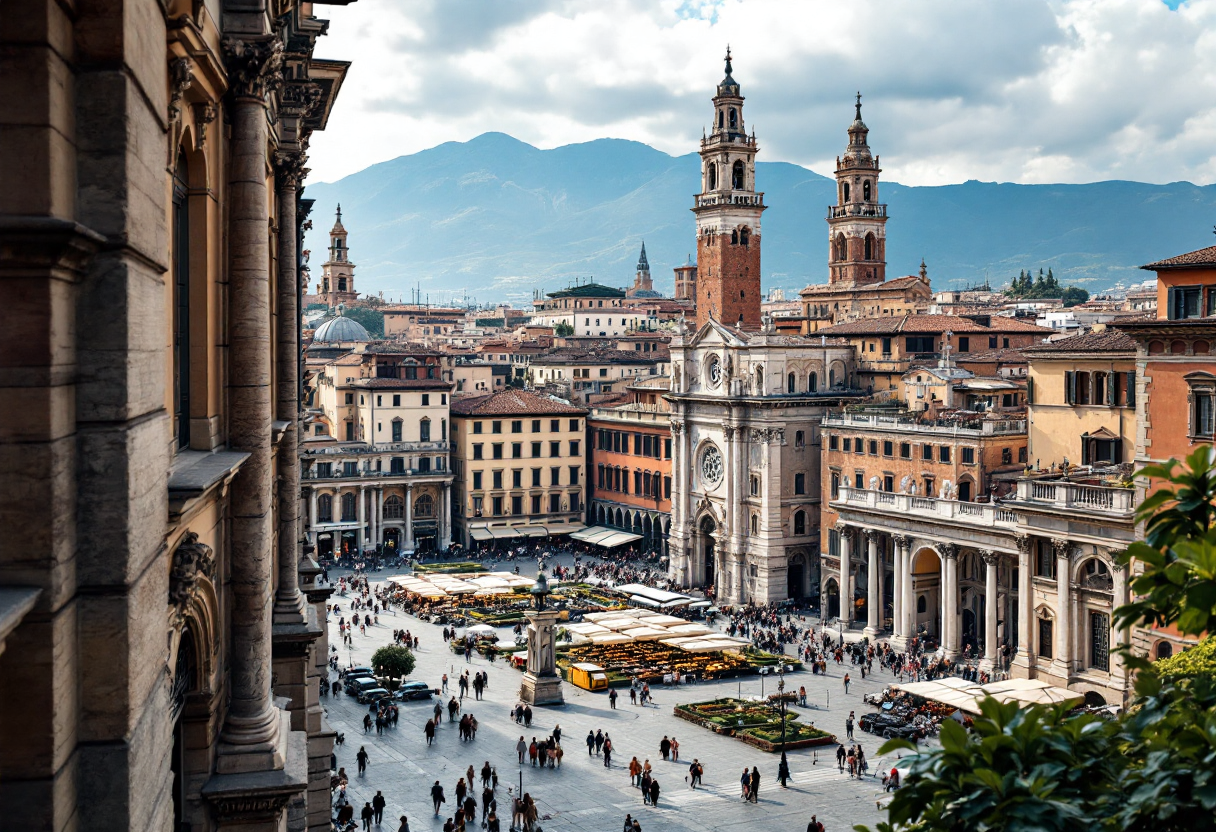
(728, 67)
(858, 105)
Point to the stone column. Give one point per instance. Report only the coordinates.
(950, 634)
(288, 602)
(1119, 636)
(445, 534)
(846, 594)
(991, 559)
(1064, 633)
(250, 738)
(312, 515)
(409, 518)
(905, 607)
(378, 516)
(361, 503)
(873, 616)
(897, 593)
(1024, 659)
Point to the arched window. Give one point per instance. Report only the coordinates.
(348, 507)
(869, 246)
(799, 521)
(846, 192)
(656, 486)
(734, 237)
(831, 378)
(922, 604)
(812, 383)
(1164, 650)
(865, 190)
(842, 248)
(424, 506)
(791, 385)
(325, 509)
(424, 430)
(734, 118)
(721, 118)
(744, 236)
(712, 176)
(755, 524)
(736, 175)
(799, 483)
(799, 439)
(394, 507)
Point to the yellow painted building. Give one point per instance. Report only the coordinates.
(1082, 400)
(519, 466)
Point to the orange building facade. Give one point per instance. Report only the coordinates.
(630, 471)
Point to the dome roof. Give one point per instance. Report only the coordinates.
(340, 330)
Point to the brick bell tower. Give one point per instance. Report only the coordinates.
(857, 223)
(728, 216)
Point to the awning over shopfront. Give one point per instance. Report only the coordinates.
(966, 696)
(604, 536)
(480, 534)
(565, 528)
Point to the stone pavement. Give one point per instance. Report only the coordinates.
(582, 794)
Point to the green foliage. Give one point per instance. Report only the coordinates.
(1074, 295)
(393, 660)
(1199, 660)
(563, 329)
(1029, 286)
(372, 320)
(1153, 768)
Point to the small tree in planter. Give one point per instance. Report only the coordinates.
(393, 661)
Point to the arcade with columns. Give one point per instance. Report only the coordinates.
(381, 514)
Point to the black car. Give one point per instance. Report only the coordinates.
(413, 690)
(888, 727)
(370, 695)
(356, 686)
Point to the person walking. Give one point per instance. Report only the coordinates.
(814, 825)
(437, 796)
(405, 824)
(612, 699)
(745, 784)
(754, 790)
(557, 734)
(599, 741)
(783, 771)
(429, 730)
(848, 726)
(840, 756)
(361, 759)
(665, 747)
(654, 791)
(675, 750)
(635, 771)
(846, 683)
(607, 752)
(590, 743)
(367, 814)
(378, 803)
(522, 748)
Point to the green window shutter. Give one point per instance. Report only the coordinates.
(1110, 389)
(1070, 387)
(1131, 389)
(1030, 390)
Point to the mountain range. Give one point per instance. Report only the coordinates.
(494, 218)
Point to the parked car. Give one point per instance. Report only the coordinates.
(355, 687)
(887, 727)
(413, 690)
(369, 695)
(361, 670)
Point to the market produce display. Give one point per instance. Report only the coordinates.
(653, 661)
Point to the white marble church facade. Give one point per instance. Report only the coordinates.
(745, 413)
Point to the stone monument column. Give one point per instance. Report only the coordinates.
(250, 739)
(1025, 653)
(1064, 634)
(902, 589)
(288, 601)
(445, 535)
(873, 613)
(361, 538)
(991, 559)
(909, 602)
(541, 684)
(950, 634)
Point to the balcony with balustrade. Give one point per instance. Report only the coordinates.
(970, 428)
(710, 200)
(911, 506)
(856, 209)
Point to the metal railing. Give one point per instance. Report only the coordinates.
(856, 210)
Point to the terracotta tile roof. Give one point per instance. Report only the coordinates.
(1006, 355)
(1200, 258)
(1111, 340)
(402, 384)
(578, 356)
(351, 359)
(512, 403)
(923, 324)
(896, 283)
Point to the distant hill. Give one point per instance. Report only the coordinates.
(495, 217)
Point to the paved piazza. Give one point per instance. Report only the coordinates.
(582, 794)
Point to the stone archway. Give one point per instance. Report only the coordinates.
(831, 600)
(705, 554)
(926, 568)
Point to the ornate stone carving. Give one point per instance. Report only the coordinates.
(1101, 581)
(1022, 541)
(989, 556)
(1063, 548)
(301, 100)
(677, 428)
(871, 535)
(180, 78)
(729, 432)
(204, 114)
(904, 540)
(949, 551)
(289, 168)
(844, 528)
(191, 560)
(254, 66)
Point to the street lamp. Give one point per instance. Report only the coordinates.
(783, 770)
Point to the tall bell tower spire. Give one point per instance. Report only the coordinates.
(728, 215)
(857, 233)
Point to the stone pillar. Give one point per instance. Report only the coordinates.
(445, 534)
(902, 590)
(873, 615)
(1119, 636)
(846, 593)
(409, 518)
(250, 739)
(541, 684)
(361, 537)
(288, 601)
(378, 516)
(312, 515)
(991, 560)
(1024, 660)
(1064, 633)
(897, 593)
(909, 603)
(950, 634)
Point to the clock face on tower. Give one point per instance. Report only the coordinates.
(715, 371)
(711, 466)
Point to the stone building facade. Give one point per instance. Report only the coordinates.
(629, 470)
(154, 156)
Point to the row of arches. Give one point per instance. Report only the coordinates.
(347, 506)
(652, 526)
(738, 176)
(869, 248)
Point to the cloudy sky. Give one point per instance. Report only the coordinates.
(1025, 91)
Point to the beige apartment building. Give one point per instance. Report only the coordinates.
(518, 459)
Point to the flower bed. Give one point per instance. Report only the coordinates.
(755, 723)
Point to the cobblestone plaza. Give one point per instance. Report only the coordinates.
(582, 794)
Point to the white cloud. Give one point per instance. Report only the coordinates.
(1034, 91)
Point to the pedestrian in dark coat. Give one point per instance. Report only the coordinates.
(378, 803)
(437, 796)
(367, 814)
(754, 788)
(654, 792)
